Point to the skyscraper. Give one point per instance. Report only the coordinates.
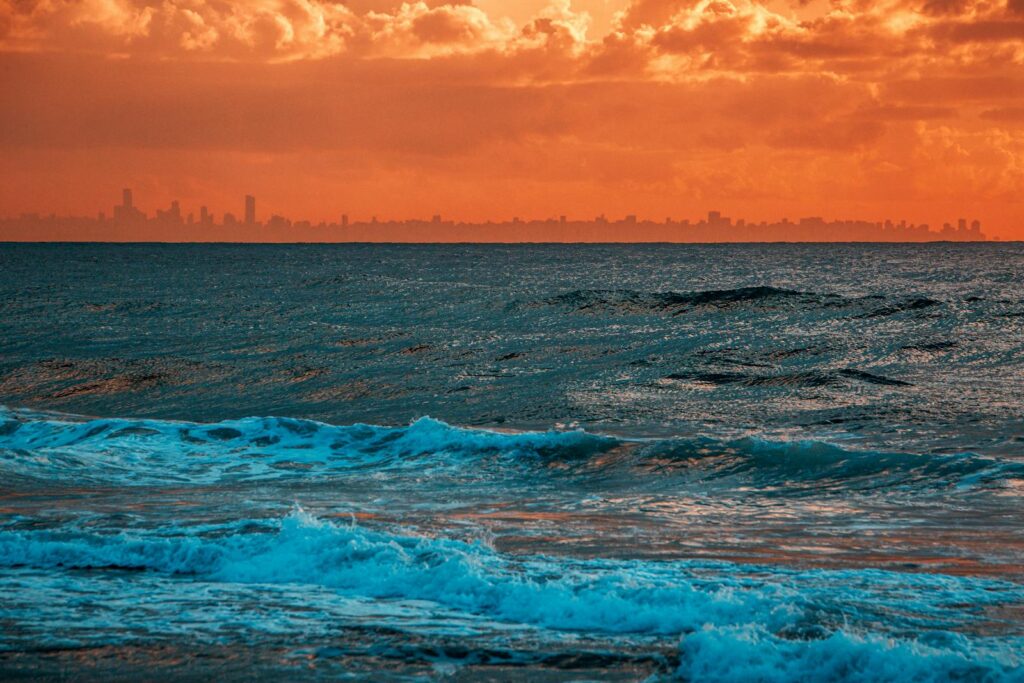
(127, 211)
(250, 210)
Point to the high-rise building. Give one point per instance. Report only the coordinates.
(127, 211)
(171, 215)
(344, 220)
(250, 210)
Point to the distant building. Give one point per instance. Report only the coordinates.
(127, 212)
(171, 215)
(250, 210)
(344, 220)
(277, 222)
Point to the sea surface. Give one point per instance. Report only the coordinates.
(545, 463)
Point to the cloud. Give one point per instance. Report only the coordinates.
(277, 30)
(771, 105)
(1004, 114)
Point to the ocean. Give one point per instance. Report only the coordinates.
(523, 462)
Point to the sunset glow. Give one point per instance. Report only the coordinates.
(901, 109)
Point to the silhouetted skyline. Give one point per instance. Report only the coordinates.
(129, 223)
(537, 108)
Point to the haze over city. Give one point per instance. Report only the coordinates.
(129, 223)
(493, 109)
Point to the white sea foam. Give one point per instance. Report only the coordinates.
(157, 451)
(735, 623)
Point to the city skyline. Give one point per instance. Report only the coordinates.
(492, 108)
(172, 224)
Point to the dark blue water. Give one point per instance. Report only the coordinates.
(743, 462)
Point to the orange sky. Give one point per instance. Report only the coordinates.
(488, 109)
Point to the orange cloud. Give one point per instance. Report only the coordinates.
(840, 107)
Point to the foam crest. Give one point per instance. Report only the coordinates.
(589, 596)
(751, 654)
(736, 624)
(155, 451)
(151, 451)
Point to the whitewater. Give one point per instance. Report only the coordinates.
(652, 463)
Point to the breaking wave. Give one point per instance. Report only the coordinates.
(145, 451)
(772, 624)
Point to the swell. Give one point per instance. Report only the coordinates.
(805, 378)
(777, 624)
(145, 451)
(631, 301)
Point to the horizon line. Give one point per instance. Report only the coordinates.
(425, 243)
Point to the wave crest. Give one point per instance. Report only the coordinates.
(158, 451)
(759, 624)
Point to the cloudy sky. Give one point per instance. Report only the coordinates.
(497, 108)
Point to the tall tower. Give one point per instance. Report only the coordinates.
(250, 210)
(127, 211)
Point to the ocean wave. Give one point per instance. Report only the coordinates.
(751, 654)
(587, 596)
(150, 452)
(629, 300)
(807, 465)
(753, 623)
(758, 298)
(804, 378)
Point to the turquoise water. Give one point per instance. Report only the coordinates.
(744, 462)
